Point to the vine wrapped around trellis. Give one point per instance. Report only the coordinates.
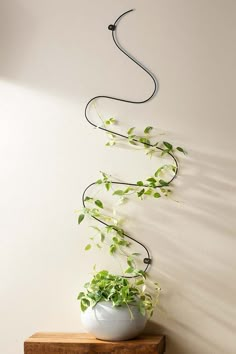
(152, 186)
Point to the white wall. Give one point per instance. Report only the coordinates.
(55, 55)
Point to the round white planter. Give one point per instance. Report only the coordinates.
(113, 323)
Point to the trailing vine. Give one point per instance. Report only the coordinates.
(158, 185)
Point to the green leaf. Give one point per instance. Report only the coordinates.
(164, 152)
(132, 142)
(147, 130)
(158, 171)
(140, 193)
(84, 304)
(148, 191)
(115, 239)
(99, 203)
(123, 243)
(99, 181)
(144, 141)
(168, 145)
(151, 179)
(132, 137)
(139, 183)
(156, 195)
(81, 294)
(88, 247)
(102, 237)
(142, 273)
(181, 150)
(129, 270)
(128, 189)
(87, 199)
(163, 183)
(136, 254)
(130, 261)
(105, 175)
(139, 282)
(113, 249)
(118, 192)
(108, 186)
(174, 168)
(130, 131)
(81, 218)
(110, 121)
(95, 212)
(109, 228)
(115, 228)
(103, 273)
(141, 308)
(124, 292)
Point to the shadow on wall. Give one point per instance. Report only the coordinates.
(172, 346)
(194, 258)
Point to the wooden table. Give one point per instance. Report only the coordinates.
(81, 343)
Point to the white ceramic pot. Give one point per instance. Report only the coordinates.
(113, 323)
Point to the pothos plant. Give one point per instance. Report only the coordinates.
(130, 288)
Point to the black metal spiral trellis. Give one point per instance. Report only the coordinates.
(112, 28)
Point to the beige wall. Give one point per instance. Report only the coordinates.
(55, 55)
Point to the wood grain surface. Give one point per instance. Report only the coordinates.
(81, 343)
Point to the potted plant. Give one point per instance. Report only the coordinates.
(116, 308)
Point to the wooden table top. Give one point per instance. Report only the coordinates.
(73, 343)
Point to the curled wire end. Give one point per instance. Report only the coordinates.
(112, 27)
